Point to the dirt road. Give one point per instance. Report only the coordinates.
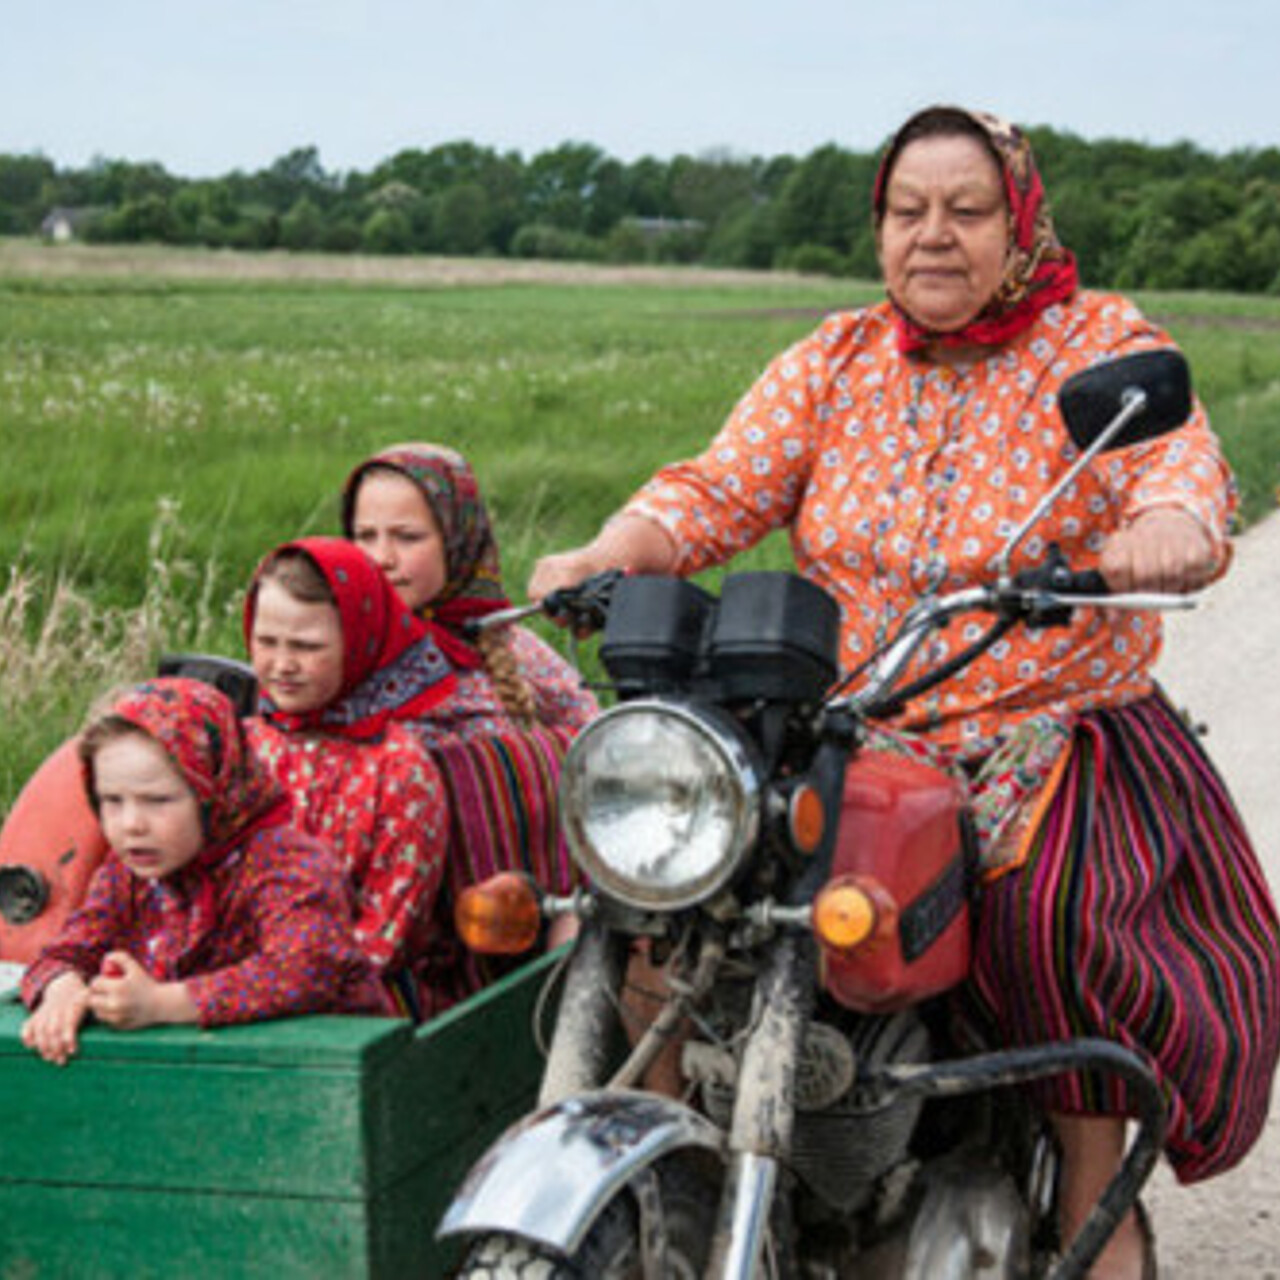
(1222, 663)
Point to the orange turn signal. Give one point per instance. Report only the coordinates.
(845, 914)
(500, 916)
(807, 819)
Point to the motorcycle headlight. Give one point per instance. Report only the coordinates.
(661, 802)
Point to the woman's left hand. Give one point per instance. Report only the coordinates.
(1164, 549)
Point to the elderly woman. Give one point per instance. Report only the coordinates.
(900, 445)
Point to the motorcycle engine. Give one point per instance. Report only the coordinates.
(847, 1136)
(843, 1151)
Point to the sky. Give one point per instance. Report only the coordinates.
(205, 89)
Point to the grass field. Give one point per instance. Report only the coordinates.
(165, 418)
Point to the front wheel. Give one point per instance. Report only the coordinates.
(611, 1250)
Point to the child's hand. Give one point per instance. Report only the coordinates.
(125, 996)
(51, 1029)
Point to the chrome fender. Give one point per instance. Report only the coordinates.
(549, 1177)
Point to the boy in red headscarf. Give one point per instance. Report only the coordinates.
(210, 907)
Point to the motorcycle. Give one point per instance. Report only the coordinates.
(809, 897)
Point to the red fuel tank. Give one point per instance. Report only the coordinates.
(902, 839)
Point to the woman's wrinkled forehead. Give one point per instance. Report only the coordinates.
(1000, 139)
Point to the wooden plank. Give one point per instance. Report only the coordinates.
(111, 1233)
(328, 1040)
(221, 1128)
(466, 1075)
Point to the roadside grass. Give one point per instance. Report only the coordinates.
(158, 434)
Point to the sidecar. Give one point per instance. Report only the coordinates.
(305, 1147)
(308, 1147)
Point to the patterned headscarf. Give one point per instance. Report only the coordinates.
(1038, 273)
(197, 728)
(473, 586)
(392, 668)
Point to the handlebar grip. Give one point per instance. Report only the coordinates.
(557, 605)
(1086, 582)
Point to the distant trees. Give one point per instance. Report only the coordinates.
(1137, 216)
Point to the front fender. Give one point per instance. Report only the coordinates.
(548, 1177)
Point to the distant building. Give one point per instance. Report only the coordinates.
(660, 228)
(63, 224)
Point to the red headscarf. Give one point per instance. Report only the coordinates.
(391, 666)
(473, 586)
(1038, 273)
(196, 726)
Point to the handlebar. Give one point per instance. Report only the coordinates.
(1046, 596)
(583, 607)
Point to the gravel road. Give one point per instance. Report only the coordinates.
(1222, 663)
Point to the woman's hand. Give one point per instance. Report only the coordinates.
(565, 569)
(1165, 549)
(125, 996)
(631, 543)
(51, 1029)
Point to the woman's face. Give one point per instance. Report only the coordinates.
(296, 650)
(394, 524)
(149, 814)
(944, 237)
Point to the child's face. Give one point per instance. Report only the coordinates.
(394, 524)
(296, 650)
(149, 814)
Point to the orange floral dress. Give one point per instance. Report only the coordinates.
(896, 477)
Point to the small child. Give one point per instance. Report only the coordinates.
(418, 511)
(341, 663)
(209, 907)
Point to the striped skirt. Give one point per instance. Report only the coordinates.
(1142, 916)
(503, 816)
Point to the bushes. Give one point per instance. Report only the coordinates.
(1136, 216)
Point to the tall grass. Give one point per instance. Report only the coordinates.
(60, 648)
(158, 435)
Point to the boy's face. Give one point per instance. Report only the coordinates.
(149, 815)
(296, 650)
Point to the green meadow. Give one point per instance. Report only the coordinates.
(157, 433)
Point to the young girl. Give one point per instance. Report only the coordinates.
(417, 510)
(209, 907)
(341, 665)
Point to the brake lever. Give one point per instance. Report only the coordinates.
(584, 607)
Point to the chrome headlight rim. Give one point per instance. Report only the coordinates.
(739, 761)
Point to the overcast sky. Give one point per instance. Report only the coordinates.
(208, 88)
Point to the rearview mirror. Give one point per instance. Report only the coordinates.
(1093, 398)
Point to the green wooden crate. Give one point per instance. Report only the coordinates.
(309, 1147)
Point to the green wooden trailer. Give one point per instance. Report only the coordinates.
(319, 1147)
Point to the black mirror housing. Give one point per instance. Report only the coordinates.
(1091, 399)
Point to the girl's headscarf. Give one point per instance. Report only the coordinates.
(196, 726)
(473, 586)
(1038, 273)
(392, 668)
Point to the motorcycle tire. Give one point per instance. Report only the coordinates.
(611, 1250)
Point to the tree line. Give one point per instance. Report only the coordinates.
(1137, 216)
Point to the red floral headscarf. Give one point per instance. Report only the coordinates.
(473, 586)
(197, 728)
(392, 668)
(1038, 273)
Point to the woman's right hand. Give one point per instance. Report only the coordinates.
(51, 1029)
(633, 544)
(564, 569)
